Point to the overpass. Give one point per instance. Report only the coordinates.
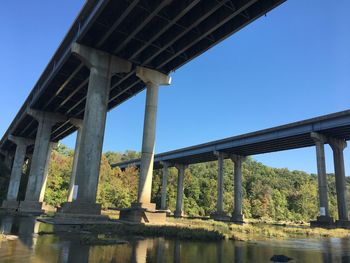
(286, 137)
(161, 35)
(333, 129)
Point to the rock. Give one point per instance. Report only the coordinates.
(280, 258)
(9, 237)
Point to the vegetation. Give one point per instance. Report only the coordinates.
(268, 193)
(258, 231)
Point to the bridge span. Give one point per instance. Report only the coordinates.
(332, 129)
(113, 50)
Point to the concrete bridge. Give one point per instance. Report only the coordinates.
(332, 129)
(114, 50)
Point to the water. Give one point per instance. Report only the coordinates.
(67, 247)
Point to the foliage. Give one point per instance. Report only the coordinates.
(268, 193)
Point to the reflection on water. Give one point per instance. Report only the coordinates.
(31, 247)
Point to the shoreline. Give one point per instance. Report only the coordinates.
(202, 230)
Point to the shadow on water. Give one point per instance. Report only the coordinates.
(68, 247)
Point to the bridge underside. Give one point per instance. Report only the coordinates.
(286, 137)
(162, 35)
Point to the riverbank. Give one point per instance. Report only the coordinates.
(260, 231)
(198, 229)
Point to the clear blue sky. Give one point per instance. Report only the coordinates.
(291, 65)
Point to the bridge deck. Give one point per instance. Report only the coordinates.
(285, 137)
(162, 35)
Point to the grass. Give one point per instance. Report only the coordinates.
(260, 231)
(198, 229)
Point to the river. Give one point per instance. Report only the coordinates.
(69, 247)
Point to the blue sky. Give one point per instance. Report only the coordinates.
(291, 65)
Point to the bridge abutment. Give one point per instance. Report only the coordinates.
(88, 158)
(22, 143)
(34, 197)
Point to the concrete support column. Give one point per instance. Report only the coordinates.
(163, 205)
(24, 180)
(102, 66)
(237, 215)
(16, 173)
(320, 140)
(153, 79)
(8, 161)
(220, 184)
(78, 124)
(338, 146)
(40, 160)
(46, 171)
(180, 189)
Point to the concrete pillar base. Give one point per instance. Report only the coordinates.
(10, 205)
(179, 214)
(220, 216)
(238, 219)
(342, 224)
(323, 221)
(151, 207)
(142, 215)
(73, 219)
(31, 207)
(80, 208)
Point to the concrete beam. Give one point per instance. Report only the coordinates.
(152, 76)
(106, 62)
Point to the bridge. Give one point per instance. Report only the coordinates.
(333, 129)
(286, 137)
(113, 50)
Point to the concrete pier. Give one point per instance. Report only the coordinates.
(79, 125)
(323, 218)
(102, 66)
(180, 189)
(11, 201)
(153, 79)
(143, 210)
(8, 160)
(219, 213)
(163, 203)
(40, 161)
(338, 146)
(237, 215)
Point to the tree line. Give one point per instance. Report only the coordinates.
(268, 193)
